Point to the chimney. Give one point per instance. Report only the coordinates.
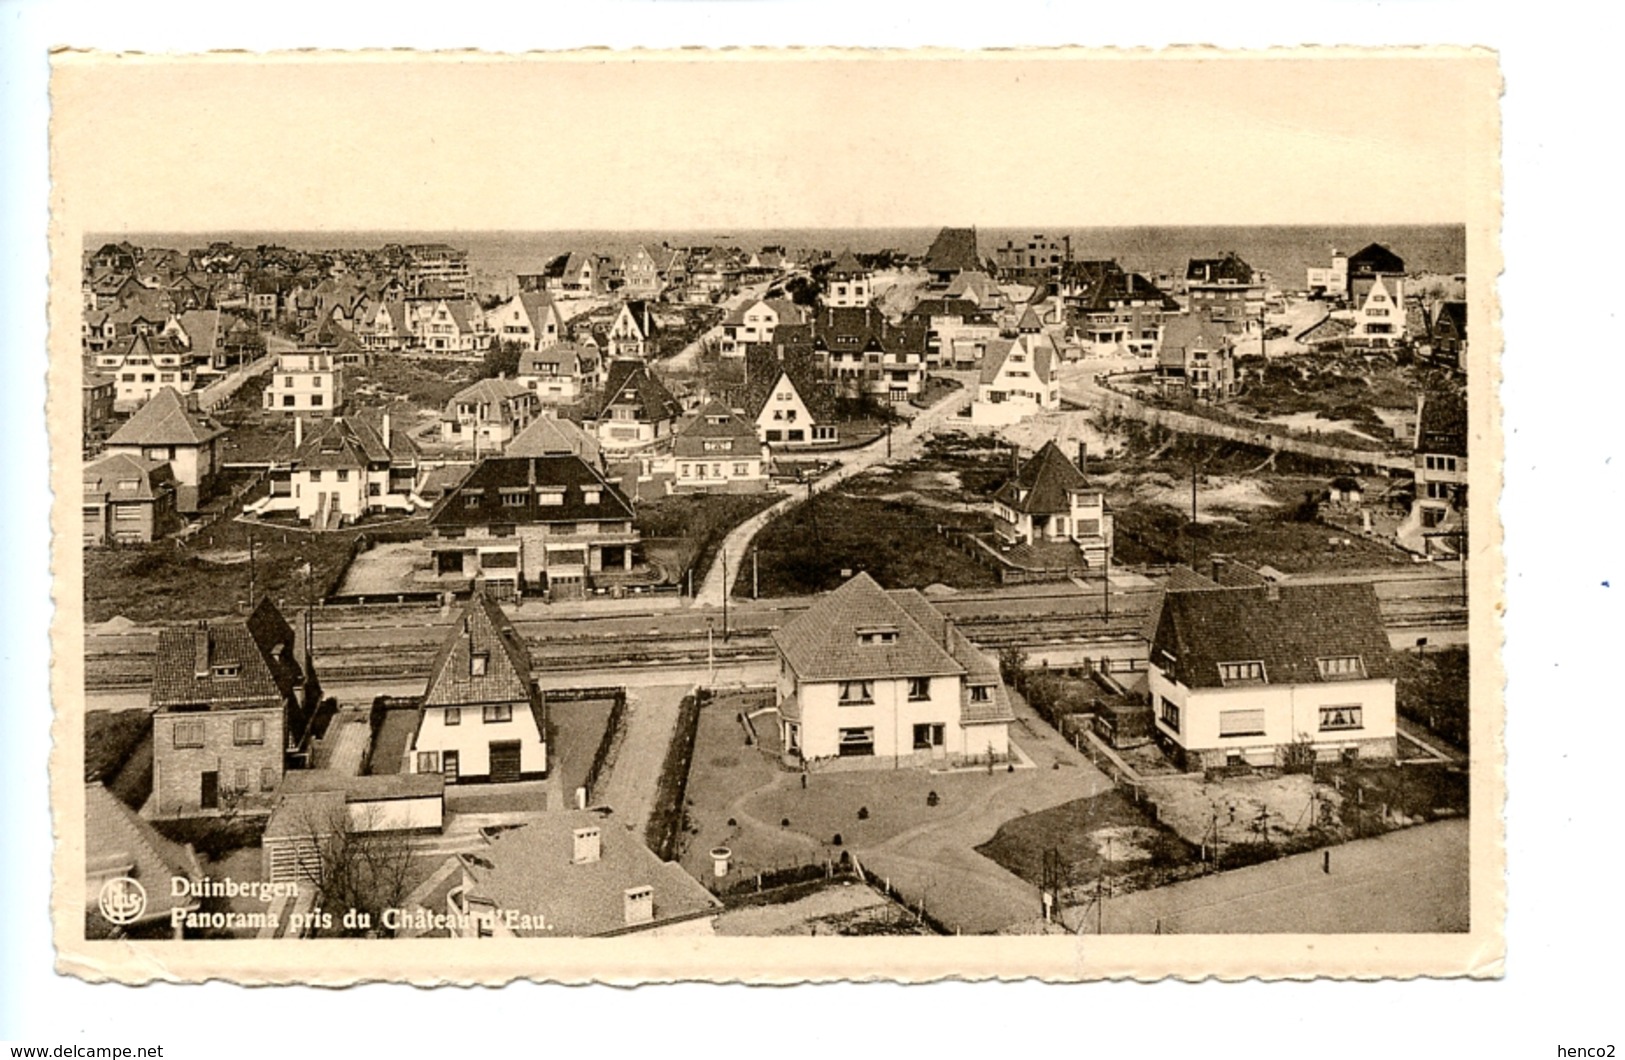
(386, 430)
(200, 649)
(1272, 590)
(1128, 282)
(1083, 456)
(947, 634)
(1218, 568)
(639, 905)
(589, 846)
(298, 431)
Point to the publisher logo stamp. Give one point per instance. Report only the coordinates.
(122, 900)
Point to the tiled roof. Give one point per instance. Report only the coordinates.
(980, 668)
(1030, 320)
(261, 648)
(531, 869)
(119, 843)
(1228, 269)
(553, 436)
(713, 422)
(562, 359)
(350, 442)
(631, 383)
(498, 478)
(1455, 314)
(1187, 332)
(494, 392)
(954, 249)
(1042, 352)
(1115, 288)
(483, 629)
(764, 368)
(847, 265)
(822, 643)
(1442, 426)
(104, 476)
(1041, 486)
(1374, 258)
(1289, 633)
(165, 420)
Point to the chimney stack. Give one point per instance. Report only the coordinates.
(298, 431)
(948, 635)
(1083, 456)
(386, 430)
(200, 649)
(639, 905)
(589, 846)
(1272, 590)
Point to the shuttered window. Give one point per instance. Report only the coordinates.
(1241, 723)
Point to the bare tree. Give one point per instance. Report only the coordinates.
(356, 868)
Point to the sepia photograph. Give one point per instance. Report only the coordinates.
(1001, 515)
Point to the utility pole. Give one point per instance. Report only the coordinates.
(1106, 582)
(725, 594)
(1193, 511)
(755, 579)
(253, 570)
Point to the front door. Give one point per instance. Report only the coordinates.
(504, 761)
(210, 799)
(448, 766)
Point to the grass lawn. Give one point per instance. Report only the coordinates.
(1078, 831)
(688, 529)
(575, 728)
(806, 549)
(110, 738)
(422, 381)
(895, 798)
(1412, 794)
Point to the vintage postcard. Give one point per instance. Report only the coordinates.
(776, 516)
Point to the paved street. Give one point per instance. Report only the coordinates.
(634, 778)
(1414, 880)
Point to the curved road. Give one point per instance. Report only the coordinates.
(905, 443)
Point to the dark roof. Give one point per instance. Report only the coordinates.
(1113, 288)
(766, 363)
(1442, 426)
(713, 422)
(1452, 314)
(151, 477)
(847, 265)
(165, 420)
(1041, 486)
(954, 250)
(349, 442)
(483, 629)
(631, 383)
(823, 644)
(964, 308)
(262, 648)
(1188, 332)
(118, 842)
(1375, 258)
(1288, 628)
(1228, 269)
(481, 499)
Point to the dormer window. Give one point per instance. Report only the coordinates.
(1242, 673)
(878, 635)
(1342, 668)
(477, 663)
(226, 670)
(981, 693)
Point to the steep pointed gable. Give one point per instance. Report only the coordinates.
(165, 420)
(457, 678)
(1042, 485)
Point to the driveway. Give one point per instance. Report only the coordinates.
(634, 776)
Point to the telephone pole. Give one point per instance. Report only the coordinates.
(725, 595)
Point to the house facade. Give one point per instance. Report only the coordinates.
(482, 720)
(846, 285)
(1440, 466)
(558, 374)
(487, 415)
(232, 699)
(1379, 315)
(341, 470)
(1225, 290)
(1050, 499)
(757, 322)
(719, 452)
(786, 404)
(128, 500)
(169, 428)
(875, 678)
(528, 319)
(533, 526)
(1196, 357)
(305, 383)
(636, 408)
(1237, 675)
(1018, 379)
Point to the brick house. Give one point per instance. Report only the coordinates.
(1238, 674)
(128, 500)
(170, 428)
(232, 701)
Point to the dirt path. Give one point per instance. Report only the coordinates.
(651, 719)
(906, 442)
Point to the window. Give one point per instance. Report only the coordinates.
(428, 761)
(343, 473)
(497, 712)
(1342, 666)
(589, 496)
(1241, 723)
(267, 778)
(741, 470)
(454, 716)
(315, 476)
(1169, 715)
(188, 734)
(857, 742)
(550, 498)
(1237, 673)
(878, 635)
(248, 731)
(919, 688)
(315, 401)
(1336, 719)
(927, 736)
(513, 498)
(477, 663)
(240, 779)
(287, 401)
(853, 692)
(981, 693)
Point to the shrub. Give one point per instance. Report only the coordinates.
(863, 813)
(1298, 756)
(837, 840)
(932, 798)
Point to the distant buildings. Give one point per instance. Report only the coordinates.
(528, 319)
(1225, 290)
(1441, 459)
(875, 678)
(1237, 675)
(953, 251)
(1379, 313)
(1035, 262)
(757, 322)
(1114, 312)
(559, 374)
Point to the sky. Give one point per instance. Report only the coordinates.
(625, 140)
